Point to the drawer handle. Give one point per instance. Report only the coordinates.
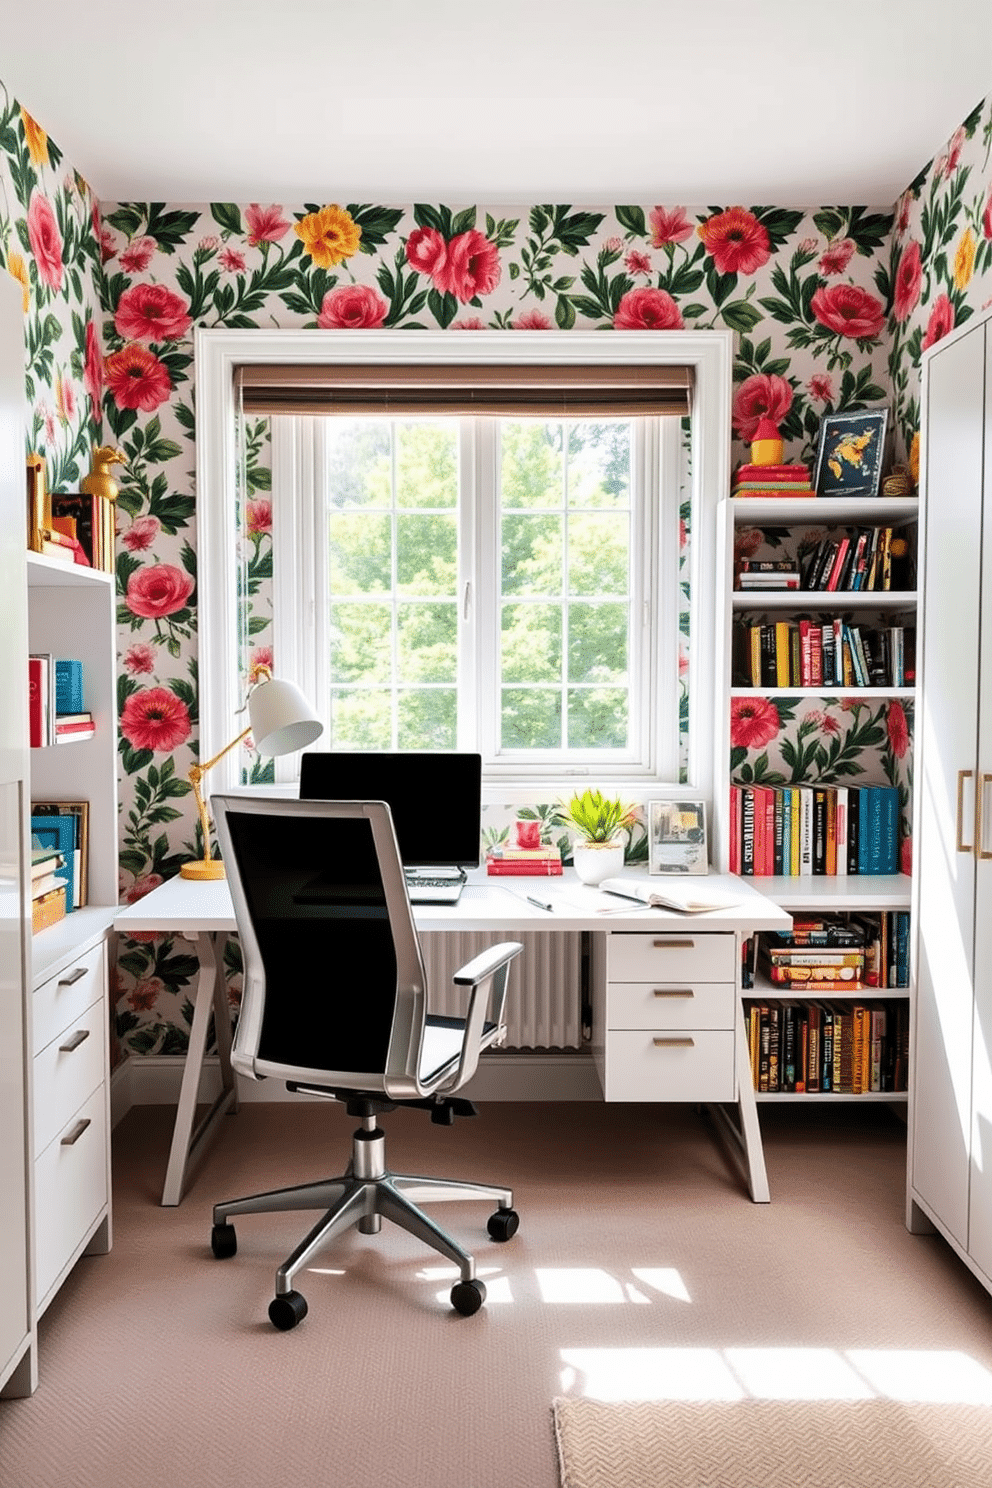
(73, 976)
(673, 992)
(676, 945)
(79, 1037)
(674, 1043)
(71, 1138)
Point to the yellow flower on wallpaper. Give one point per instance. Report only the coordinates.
(329, 235)
(37, 139)
(964, 259)
(18, 269)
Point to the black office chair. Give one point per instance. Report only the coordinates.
(335, 1003)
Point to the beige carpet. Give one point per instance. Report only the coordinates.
(772, 1444)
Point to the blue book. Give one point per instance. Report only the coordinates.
(59, 832)
(865, 794)
(888, 829)
(68, 686)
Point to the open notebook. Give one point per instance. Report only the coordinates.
(649, 892)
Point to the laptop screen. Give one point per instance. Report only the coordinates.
(435, 798)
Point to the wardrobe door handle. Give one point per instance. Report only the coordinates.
(980, 851)
(963, 775)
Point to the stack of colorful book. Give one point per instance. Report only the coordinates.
(543, 862)
(48, 888)
(772, 480)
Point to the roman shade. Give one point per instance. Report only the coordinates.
(513, 391)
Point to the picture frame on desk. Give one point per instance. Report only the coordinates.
(677, 836)
(851, 453)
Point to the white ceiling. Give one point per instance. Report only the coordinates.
(497, 102)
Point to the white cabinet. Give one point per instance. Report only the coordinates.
(950, 1162)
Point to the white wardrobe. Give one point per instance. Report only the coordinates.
(950, 1114)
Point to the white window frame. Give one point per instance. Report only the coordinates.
(220, 352)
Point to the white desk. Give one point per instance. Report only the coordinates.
(203, 913)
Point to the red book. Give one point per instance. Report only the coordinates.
(37, 689)
(509, 867)
(771, 472)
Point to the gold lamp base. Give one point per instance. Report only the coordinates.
(202, 868)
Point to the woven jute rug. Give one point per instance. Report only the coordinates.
(772, 1444)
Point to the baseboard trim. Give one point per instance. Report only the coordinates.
(565, 1075)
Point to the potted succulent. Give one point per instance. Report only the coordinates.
(598, 823)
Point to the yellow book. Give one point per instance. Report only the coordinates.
(782, 653)
(796, 824)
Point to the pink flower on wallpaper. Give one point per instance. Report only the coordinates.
(138, 254)
(158, 590)
(532, 320)
(353, 307)
(425, 250)
(613, 245)
(897, 729)
(93, 371)
(903, 209)
(737, 241)
(65, 399)
(909, 278)
(468, 323)
(648, 310)
(954, 149)
(232, 259)
(139, 887)
(141, 534)
(150, 312)
(137, 379)
(154, 718)
(637, 263)
(906, 856)
(668, 227)
(747, 541)
(829, 724)
(987, 216)
(941, 321)
(46, 245)
(763, 395)
(258, 517)
(471, 267)
(849, 311)
(821, 387)
(145, 994)
(265, 224)
(210, 243)
(837, 256)
(754, 722)
(261, 659)
(49, 426)
(139, 659)
(108, 244)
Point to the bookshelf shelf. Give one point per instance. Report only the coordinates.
(824, 692)
(888, 1097)
(835, 600)
(823, 511)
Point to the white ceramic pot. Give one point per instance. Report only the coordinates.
(594, 861)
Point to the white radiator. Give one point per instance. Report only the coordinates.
(544, 997)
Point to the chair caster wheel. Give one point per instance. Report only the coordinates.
(287, 1310)
(467, 1297)
(503, 1225)
(223, 1241)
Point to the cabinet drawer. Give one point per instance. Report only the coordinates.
(66, 1072)
(694, 1065)
(60, 1001)
(678, 956)
(70, 1190)
(671, 1005)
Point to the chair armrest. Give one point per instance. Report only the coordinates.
(485, 974)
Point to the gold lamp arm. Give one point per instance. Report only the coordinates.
(206, 867)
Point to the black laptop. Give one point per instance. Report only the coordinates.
(435, 799)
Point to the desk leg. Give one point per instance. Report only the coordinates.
(744, 1140)
(189, 1142)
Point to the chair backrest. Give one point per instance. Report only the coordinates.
(334, 986)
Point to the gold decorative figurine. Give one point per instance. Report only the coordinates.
(100, 482)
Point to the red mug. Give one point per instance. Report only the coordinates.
(528, 833)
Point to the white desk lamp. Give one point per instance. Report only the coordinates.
(280, 720)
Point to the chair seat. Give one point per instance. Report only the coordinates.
(442, 1045)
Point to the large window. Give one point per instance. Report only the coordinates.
(506, 585)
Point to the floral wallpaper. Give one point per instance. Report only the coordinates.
(830, 309)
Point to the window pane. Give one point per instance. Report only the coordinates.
(599, 464)
(428, 720)
(359, 462)
(531, 465)
(599, 554)
(361, 559)
(597, 643)
(361, 642)
(427, 642)
(361, 720)
(531, 718)
(427, 464)
(426, 555)
(532, 555)
(531, 643)
(597, 718)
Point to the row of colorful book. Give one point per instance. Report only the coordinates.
(55, 701)
(865, 559)
(804, 829)
(826, 652)
(771, 480)
(828, 1047)
(865, 950)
